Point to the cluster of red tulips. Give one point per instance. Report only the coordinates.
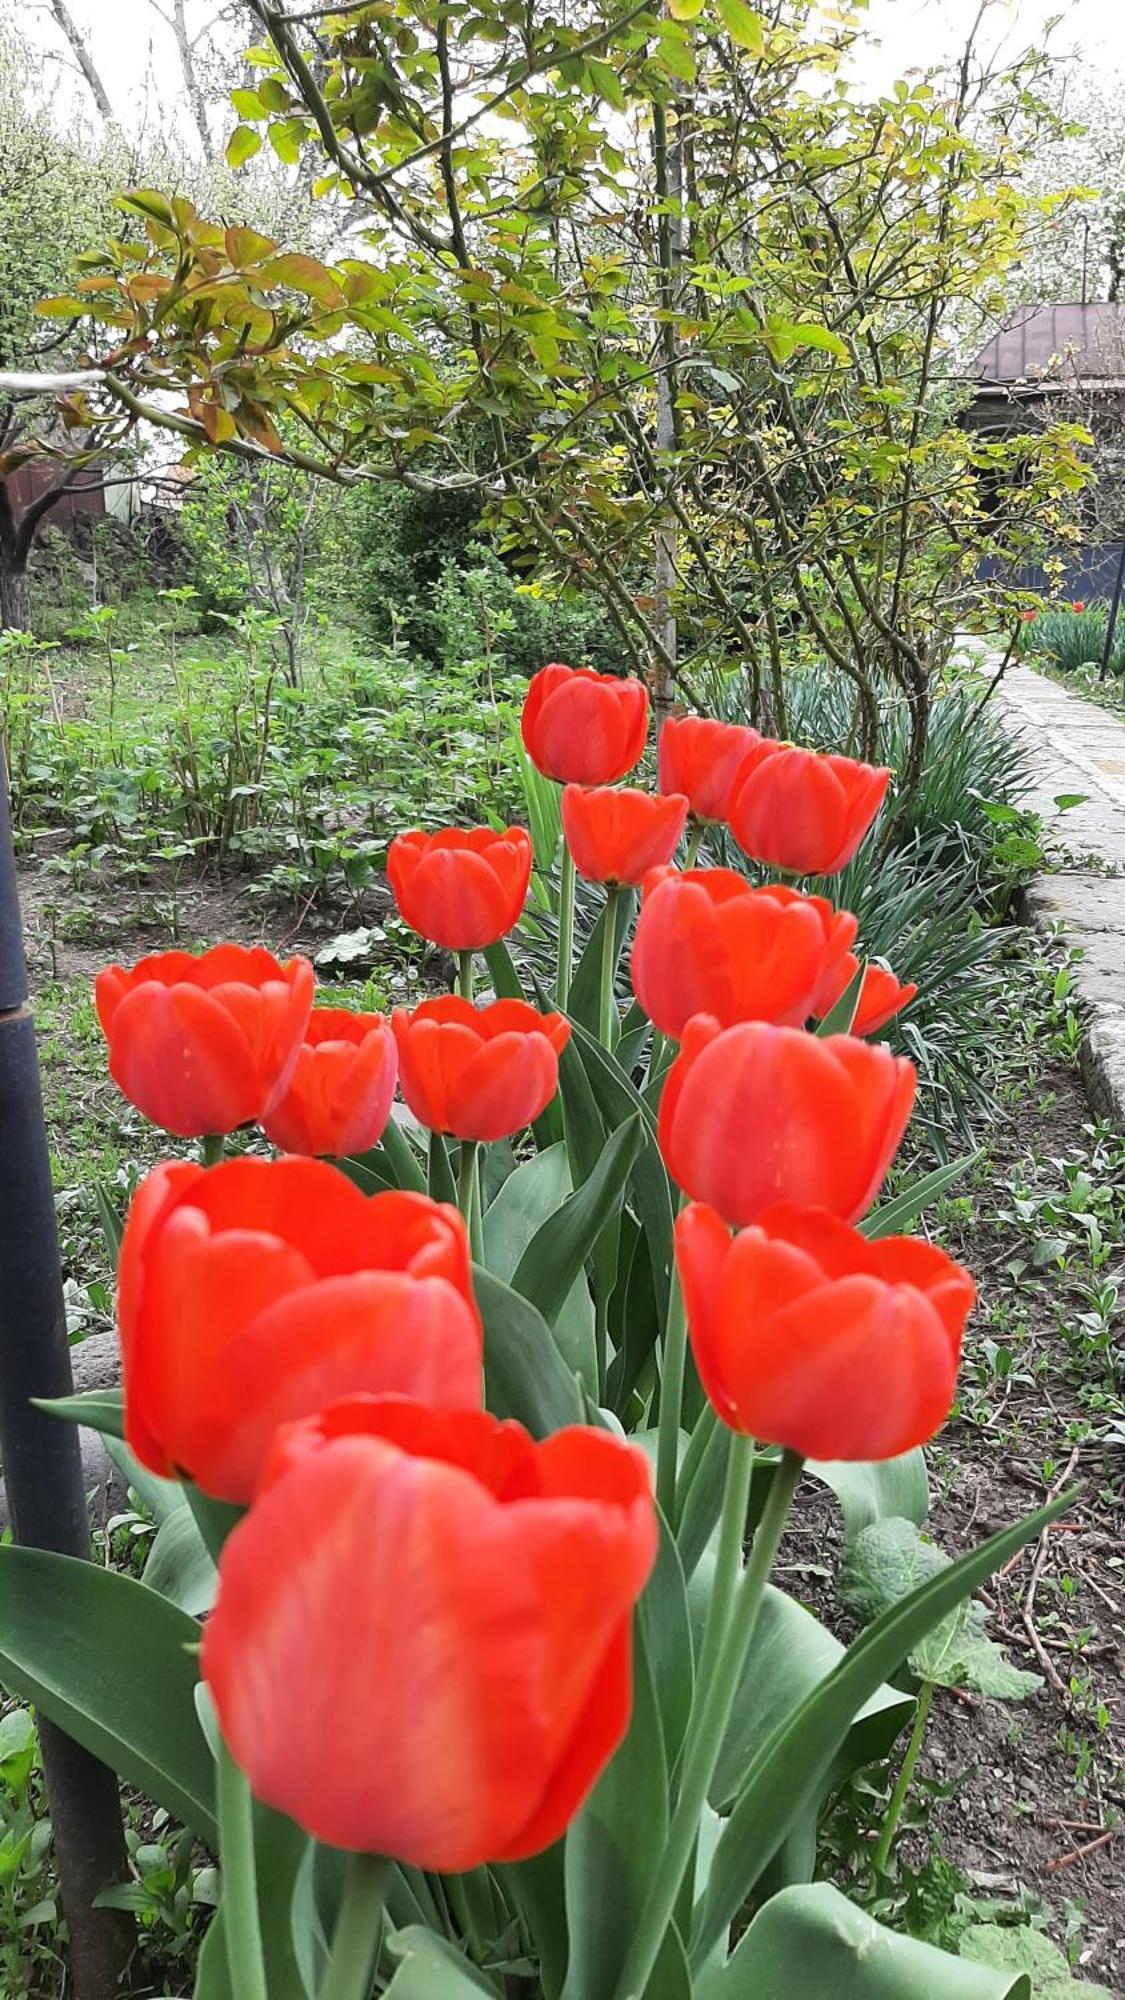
(294, 1346)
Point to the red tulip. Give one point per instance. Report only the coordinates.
(808, 1336)
(618, 835)
(754, 1115)
(462, 890)
(584, 728)
(805, 812)
(340, 1097)
(881, 996)
(702, 758)
(708, 943)
(422, 1645)
(204, 1043)
(478, 1072)
(252, 1292)
(1079, 604)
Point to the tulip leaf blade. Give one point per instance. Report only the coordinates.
(101, 1410)
(180, 1566)
(432, 1968)
(506, 983)
(893, 1217)
(531, 1194)
(563, 1243)
(113, 1663)
(525, 1376)
(790, 1655)
(869, 1490)
(585, 987)
(839, 1019)
(615, 1844)
(615, 1096)
(791, 1766)
(811, 1939)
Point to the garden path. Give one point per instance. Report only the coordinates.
(1078, 753)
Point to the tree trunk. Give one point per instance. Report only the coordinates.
(83, 58)
(668, 136)
(15, 610)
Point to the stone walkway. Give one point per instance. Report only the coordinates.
(1078, 748)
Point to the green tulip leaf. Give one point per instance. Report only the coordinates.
(889, 1560)
(615, 1844)
(529, 1197)
(811, 1940)
(870, 1490)
(525, 1376)
(561, 1245)
(432, 1969)
(839, 1019)
(895, 1217)
(791, 1654)
(180, 1566)
(100, 1410)
(114, 1665)
(791, 1768)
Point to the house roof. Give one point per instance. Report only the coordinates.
(1056, 342)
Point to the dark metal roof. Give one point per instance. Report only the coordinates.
(1056, 342)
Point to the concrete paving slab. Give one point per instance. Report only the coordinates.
(1078, 748)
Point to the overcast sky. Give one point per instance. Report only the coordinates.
(136, 56)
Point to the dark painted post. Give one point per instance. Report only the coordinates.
(40, 1455)
(1111, 621)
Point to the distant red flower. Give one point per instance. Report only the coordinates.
(251, 1293)
(708, 942)
(881, 995)
(461, 889)
(616, 834)
(204, 1042)
(1079, 604)
(478, 1072)
(804, 811)
(808, 1336)
(701, 757)
(340, 1095)
(754, 1115)
(1029, 616)
(584, 728)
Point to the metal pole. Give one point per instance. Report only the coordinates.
(41, 1459)
(1111, 622)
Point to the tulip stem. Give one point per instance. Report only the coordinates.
(607, 1008)
(694, 839)
(468, 1195)
(465, 975)
(710, 1714)
(240, 1888)
(566, 930)
(672, 1370)
(728, 1557)
(889, 1827)
(211, 1148)
(358, 1925)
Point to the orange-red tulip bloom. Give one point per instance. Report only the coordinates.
(807, 1335)
(881, 995)
(478, 1072)
(708, 943)
(422, 1641)
(616, 834)
(584, 728)
(204, 1043)
(803, 811)
(253, 1292)
(754, 1115)
(461, 889)
(340, 1095)
(701, 758)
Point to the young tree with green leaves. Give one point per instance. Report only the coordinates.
(663, 289)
